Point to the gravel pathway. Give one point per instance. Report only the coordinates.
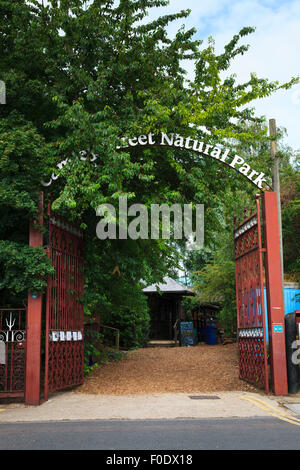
(201, 368)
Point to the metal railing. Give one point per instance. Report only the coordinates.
(117, 339)
(12, 351)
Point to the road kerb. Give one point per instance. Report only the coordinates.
(269, 409)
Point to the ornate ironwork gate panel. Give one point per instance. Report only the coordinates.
(12, 352)
(64, 309)
(253, 365)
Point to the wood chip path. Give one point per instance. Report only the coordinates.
(200, 368)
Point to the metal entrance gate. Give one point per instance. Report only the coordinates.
(12, 352)
(252, 344)
(64, 309)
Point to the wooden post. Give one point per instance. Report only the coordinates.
(274, 295)
(33, 328)
(118, 339)
(276, 189)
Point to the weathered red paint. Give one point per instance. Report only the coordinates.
(33, 328)
(260, 254)
(250, 301)
(64, 352)
(274, 295)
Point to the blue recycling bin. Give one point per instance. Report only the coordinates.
(211, 334)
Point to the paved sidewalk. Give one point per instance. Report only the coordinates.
(77, 406)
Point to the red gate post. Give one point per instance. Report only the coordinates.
(33, 327)
(274, 295)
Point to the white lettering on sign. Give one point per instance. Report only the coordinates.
(175, 140)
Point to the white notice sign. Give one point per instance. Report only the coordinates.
(55, 336)
(69, 335)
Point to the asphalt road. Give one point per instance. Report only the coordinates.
(181, 434)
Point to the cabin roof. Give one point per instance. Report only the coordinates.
(168, 286)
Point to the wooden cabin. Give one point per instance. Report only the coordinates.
(165, 307)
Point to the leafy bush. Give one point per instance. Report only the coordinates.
(132, 321)
(216, 282)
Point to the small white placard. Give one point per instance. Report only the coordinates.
(2, 352)
(55, 336)
(69, 335)
(75, 335)
(79, 335)
(62, 336)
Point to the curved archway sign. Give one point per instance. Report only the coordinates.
(237, 163)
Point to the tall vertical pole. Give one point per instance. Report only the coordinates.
(276, 189)
(274, 295)
(34, 325)
(48, 295)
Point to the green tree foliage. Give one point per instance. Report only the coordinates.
(290, 202)
(80, 76)
(215, 283)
